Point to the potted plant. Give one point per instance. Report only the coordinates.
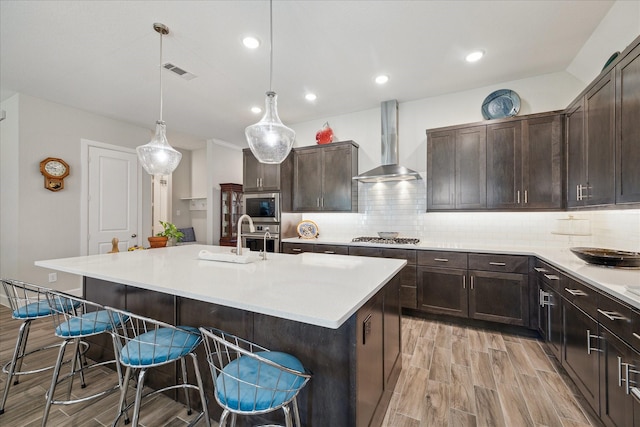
(170, 231)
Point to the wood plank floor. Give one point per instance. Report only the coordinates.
(452, 376)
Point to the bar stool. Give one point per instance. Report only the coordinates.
(82, 319)
(28, 302)
(249, 379)
(144, 343)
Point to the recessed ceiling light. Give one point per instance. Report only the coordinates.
(382, 79)
(474, 56)
(256, 110)
(310, 97)
(250, 42)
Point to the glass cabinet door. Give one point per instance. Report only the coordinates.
(231, 209)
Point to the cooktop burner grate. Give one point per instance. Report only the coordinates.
(396, 241)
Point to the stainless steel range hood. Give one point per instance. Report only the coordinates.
(389, 170)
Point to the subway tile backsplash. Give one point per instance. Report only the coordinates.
(400, 206)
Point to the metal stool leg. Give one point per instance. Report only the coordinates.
(23, 348)
(287, 416)
(15, 361)
(136, 407)
(296, 412)
(203, 398)
(54, 381)
(183, 366)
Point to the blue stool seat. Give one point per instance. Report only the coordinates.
(159, 346)
(247, 384)
(41, 308)
(87, 324)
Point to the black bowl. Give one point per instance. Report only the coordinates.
(608, 257)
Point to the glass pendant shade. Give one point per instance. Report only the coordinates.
(157, 156)
(270, 141)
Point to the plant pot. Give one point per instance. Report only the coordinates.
(157, 242)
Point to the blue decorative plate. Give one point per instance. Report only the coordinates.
(308, 229)
(501, 103)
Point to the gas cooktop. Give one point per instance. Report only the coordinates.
(394, 241)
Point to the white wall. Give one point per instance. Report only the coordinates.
(181, 189)
(617, 29)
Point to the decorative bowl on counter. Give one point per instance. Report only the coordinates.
(608, 257)
(388, 234)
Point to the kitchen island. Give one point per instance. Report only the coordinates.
(339, 315)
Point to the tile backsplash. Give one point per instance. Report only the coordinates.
(400, 206)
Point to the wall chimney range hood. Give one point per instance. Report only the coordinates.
(389, 170)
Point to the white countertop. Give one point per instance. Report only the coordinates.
(613, 281)
(318, 289)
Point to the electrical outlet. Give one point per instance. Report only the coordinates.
(53, 277)
(178, 212)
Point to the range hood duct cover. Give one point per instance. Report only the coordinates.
(389, 170)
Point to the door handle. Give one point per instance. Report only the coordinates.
(589, 348)
(526, 197)
(518, 196)
(134, 235)
(441, 259)
(498, 264)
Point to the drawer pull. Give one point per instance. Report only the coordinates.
(499, 264)
(296, 249)
(627, 368)
(589, 348)
(329, 252)
(551, 277)
(464, 282)
(636, 335)
(612, 315)
(576, 292)
(635, 392)
(441, 259)
(540, 269)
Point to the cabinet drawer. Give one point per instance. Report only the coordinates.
(618, 318)
(296, 248)
(581, 295)
(362, 251)
(548, 274)
(500, 263)
(408, 254)
(443, 259)
(331, 249)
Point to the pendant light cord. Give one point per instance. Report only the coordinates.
(270, 45)
(160, 75)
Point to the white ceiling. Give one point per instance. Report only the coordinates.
(102, 56)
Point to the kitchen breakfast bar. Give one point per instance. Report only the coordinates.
(340, 315)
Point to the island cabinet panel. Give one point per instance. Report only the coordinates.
(109, 294)
(627, 133)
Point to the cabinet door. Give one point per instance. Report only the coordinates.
(441, 170)
(336, 178)
(576, 174)
(616, 406)
(504, 165)
(442, 291)
(270, 177)
(542, 162)
(581, 353)
(627, 133)
(370, 357)
(307, 180)
(599, 116)
(391, 326)
(252, 172)
(471, 168)
(499, 297)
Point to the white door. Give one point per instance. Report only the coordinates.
(112, 199)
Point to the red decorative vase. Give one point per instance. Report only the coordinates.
(324, 135)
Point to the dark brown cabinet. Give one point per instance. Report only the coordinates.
(456, 168)
(443, 291)
(627, 129)
(322, 178)
(549, 305)
(259, 176)
(524, 163)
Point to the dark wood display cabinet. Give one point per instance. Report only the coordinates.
(230, 211)
(322, 178)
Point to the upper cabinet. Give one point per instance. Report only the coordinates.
(506, 164)
(524, 163)
(602, 134)
(627, 130)
(322, 178)
(456, 168)
(259, 176)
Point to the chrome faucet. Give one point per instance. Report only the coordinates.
(251, 229)
(264, 244)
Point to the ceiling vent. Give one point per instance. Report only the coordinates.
(179, 71)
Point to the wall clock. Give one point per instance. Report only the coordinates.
(54, 171)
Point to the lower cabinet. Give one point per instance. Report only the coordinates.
(550, 317)
(499, 297)
(443, 291)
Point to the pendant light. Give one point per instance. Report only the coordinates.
(158, 157)
(270, 140)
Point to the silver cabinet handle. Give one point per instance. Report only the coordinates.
(329, 252)
(441, 259)
(636, 335)
(627, 368)
(317, 202)
(296, 249)
(576, 292)
(471, 282)
(526, 197)
(589, 348)
(612, 315)
(464, 282)
(322, 202)
(551, 277)
(635, 392)
(579, 195)
(499, 264)
(540, 269)
(545, 298)
(518, 192)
